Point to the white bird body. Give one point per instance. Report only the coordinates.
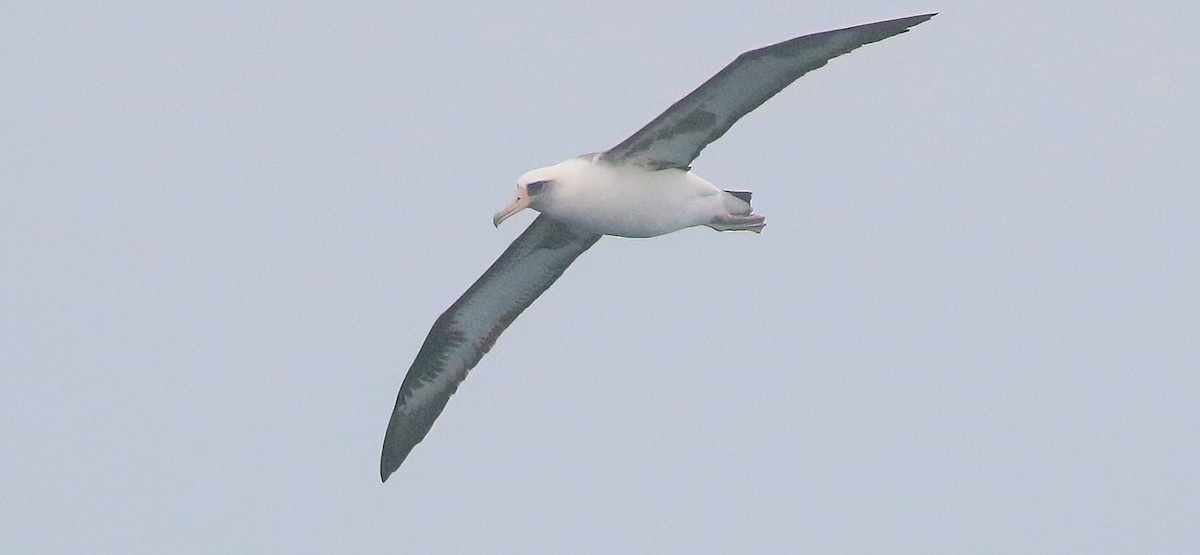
(594, 196)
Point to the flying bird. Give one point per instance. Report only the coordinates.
(643, 187)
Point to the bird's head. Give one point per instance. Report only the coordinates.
(530, 187)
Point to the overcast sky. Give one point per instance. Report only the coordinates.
(972, 323)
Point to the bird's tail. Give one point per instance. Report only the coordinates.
(738, 202)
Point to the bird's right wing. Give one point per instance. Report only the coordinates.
(676, 137)
(469, 328)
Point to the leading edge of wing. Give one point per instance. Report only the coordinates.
(675, 138)
(469, 328)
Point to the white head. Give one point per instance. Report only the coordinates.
(530, 188)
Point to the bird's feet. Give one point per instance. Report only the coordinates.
(738, 222)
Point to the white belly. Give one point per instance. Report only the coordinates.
(632, 202)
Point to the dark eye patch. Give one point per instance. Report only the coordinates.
(536, 187)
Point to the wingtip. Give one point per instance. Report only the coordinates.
(385, 472)
(918, 19)
(910, 21)
(388, 463)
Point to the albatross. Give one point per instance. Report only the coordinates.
(643, 187)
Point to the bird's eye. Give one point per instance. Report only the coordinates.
(535, 187)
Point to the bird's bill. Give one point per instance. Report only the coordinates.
(518, 204)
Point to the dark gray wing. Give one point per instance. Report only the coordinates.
(677, 136)
(469, 328)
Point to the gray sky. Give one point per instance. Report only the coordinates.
(971, 324)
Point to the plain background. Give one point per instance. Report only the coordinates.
(971, 325)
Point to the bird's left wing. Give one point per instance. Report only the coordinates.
(469, 328)
(676, 137)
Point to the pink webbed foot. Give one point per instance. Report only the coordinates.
(738, 222)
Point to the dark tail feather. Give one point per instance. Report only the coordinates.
(743, 196)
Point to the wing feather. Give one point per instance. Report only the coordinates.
(676, 137)
(469, 328)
